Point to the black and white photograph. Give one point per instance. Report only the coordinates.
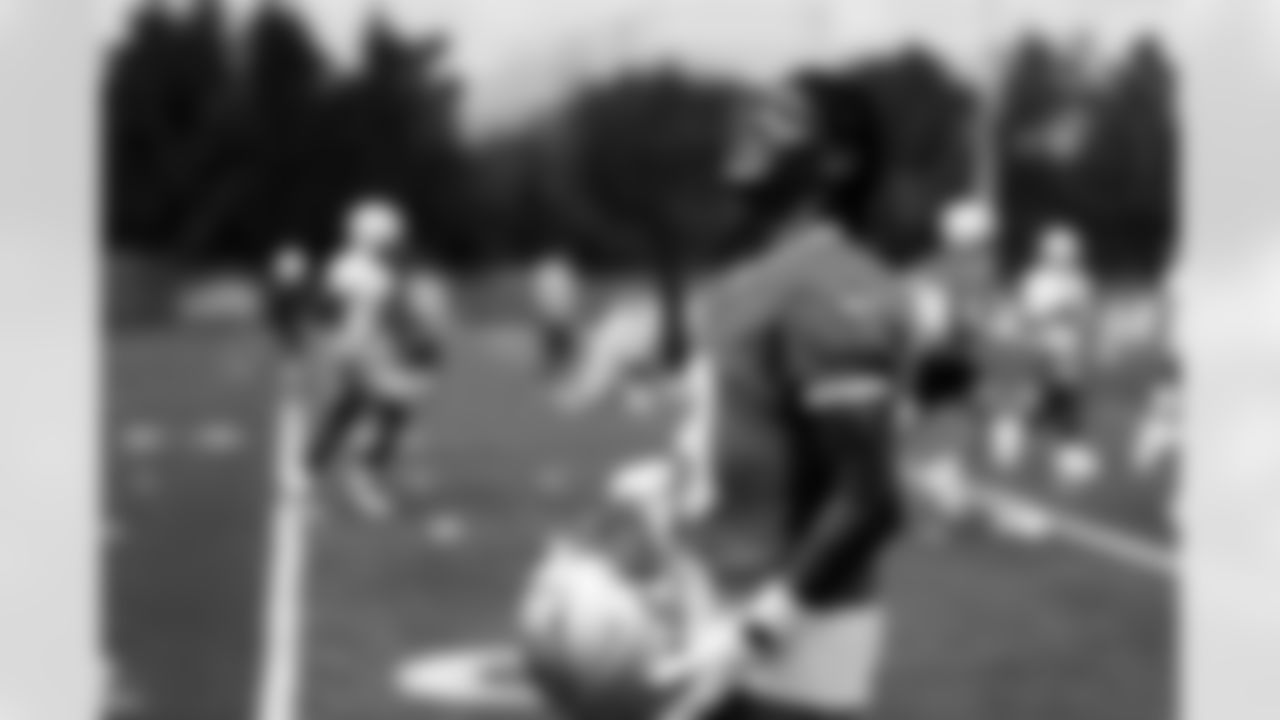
(640, 360)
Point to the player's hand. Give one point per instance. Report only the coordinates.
(717, 649)
(768, 616)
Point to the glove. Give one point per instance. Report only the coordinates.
(768, 616)
(725, 642)
(716, 649)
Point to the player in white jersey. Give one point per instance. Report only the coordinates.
(381, 350)
(1056, 302)
(952, 301)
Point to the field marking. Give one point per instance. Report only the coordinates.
(279, 681)
(219, 438)
(476, 678)
(143, 438)
(1097, 538)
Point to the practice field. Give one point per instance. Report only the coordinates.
(188, 436)
(217, 614)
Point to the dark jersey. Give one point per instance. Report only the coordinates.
(809, 332)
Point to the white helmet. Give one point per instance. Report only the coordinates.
(374, 224)
(968, 223)
(592, 637)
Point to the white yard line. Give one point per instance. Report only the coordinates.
(1117, 546)
(279, 687)
(1101, 540)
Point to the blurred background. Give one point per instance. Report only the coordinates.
(224, 139)
(595, 132)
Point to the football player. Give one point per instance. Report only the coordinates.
(382, 348)
(1055, 300)
(557, 308)
(290, 299)
(1158, 435)
(802, 353)
(808, 340)
(954, 299)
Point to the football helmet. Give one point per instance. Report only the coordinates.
(608, 606)
(374, 225)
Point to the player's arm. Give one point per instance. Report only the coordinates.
(611, 351)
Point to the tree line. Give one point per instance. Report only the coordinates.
(220, 145)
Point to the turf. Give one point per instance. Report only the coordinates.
(185, 561)
(983, 629)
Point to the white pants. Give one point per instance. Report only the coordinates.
(830, 661)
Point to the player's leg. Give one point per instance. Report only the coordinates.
(397, 387)
(1009, 428)
(946, 401)
(335, 424)
(1074, 460)
(389, 421)
(1155, 441)
(558, 341)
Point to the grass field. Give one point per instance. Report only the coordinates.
(983, 629)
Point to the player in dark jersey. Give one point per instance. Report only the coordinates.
(291, 300)
(810, 340)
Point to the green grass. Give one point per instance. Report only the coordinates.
(982, 629)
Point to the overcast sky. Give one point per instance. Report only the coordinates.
(518, 54)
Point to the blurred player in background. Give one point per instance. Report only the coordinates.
(381, 351)
(293, 313)
(1056, 300)
(954, 298)
(558, 311)
(620, 356)
(1151, 347)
